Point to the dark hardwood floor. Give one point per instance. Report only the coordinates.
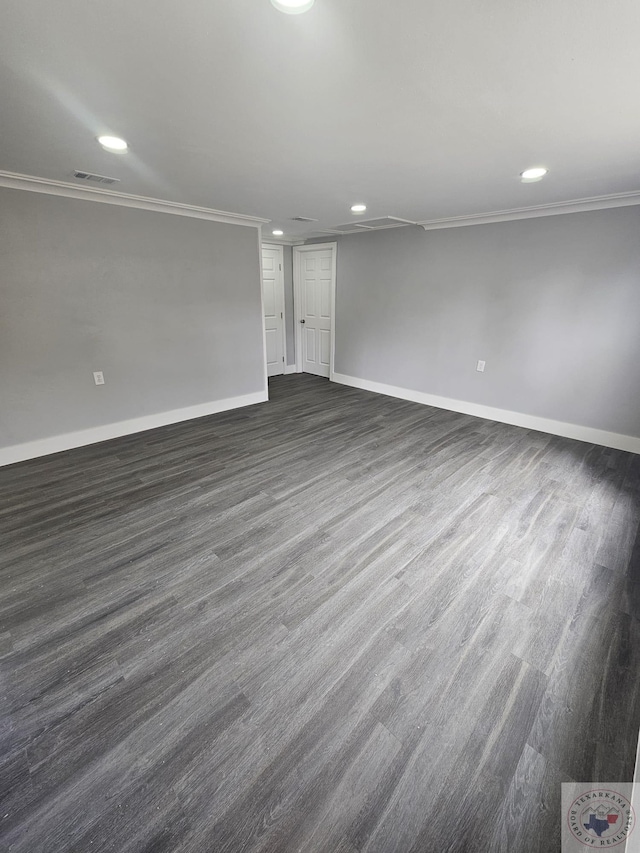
(333, 622)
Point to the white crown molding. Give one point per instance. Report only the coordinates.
(578, 205)
(591, 435)
(30, 183)
(274, 241)
(93, 435)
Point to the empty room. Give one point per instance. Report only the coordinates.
(319, 426)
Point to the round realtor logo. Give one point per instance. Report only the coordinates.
(601, 817)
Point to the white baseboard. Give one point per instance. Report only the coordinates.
(580, 433)
(290, 368)
(45, 446)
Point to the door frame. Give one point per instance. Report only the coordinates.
(280, 286)
(298, 254)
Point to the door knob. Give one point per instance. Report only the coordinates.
(303, 321)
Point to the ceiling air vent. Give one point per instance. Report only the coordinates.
(89, 177)
(384, 222)
(371, 225)
(303, 219)
(345, 229)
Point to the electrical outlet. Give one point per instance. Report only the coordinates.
(98, 377)
(480, 366)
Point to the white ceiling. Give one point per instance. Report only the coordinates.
(421, 109)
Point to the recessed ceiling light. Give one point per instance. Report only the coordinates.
(531, 175)
(113, 143)
(277, 233)
(293, 7)
(358, 208)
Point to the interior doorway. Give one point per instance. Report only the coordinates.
(273, 308)
(314, 278)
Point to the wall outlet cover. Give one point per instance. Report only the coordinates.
(98, 377)
(480, 366)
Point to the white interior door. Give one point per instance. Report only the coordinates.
(273, 305)
(316, 294)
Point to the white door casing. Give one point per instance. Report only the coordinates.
(315, 288)
(273, 308)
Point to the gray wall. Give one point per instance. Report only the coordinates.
(168, 307)
(552, 305)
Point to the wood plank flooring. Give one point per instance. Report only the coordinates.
(334, 622)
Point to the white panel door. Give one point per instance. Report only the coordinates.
(316, 286)
(273, 303)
